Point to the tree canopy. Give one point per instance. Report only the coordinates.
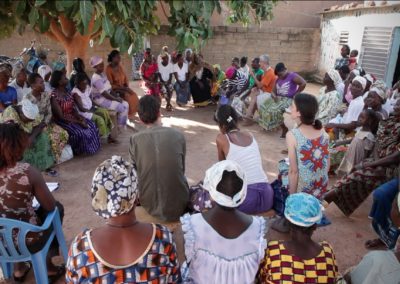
(125, 22)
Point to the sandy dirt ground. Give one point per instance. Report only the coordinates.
(346, 235)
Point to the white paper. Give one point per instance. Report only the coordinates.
(52, 186)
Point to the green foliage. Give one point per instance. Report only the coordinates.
(126, 22)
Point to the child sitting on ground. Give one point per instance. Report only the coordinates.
(362, 144)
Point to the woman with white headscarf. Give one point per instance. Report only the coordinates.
(45, 72)
(223, 245)
(26, 115)
(330, 96)
(376, 97)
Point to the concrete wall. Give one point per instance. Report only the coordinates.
(353, 21)
(297, 47)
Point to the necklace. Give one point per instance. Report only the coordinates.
(233, 130)
(123, 225)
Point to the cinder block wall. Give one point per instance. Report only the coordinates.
(298, 48)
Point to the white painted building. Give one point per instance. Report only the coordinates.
(374, 30)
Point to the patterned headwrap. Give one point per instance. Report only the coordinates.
(303, 209)
(361, 80)
(114, 188)
(5, 69)
(213, 178)
(58, 66)
(335, 76)
(380, 88)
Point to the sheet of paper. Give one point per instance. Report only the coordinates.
(52, 187)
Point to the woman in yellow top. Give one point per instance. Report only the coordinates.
(300, 259)
(119, 82)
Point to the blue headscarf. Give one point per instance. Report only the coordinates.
(303, 210)
(58, 66)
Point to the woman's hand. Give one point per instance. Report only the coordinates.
(82, 122)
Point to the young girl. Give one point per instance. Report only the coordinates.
(362, 144)
(308, 149)
(99, 116)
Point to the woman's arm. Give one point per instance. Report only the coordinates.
(222, 147)
(293, 168)
(110, 97)
(300, 82)
(346, 126)
(40, 190)
(389, 160)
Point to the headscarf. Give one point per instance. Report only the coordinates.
(163, 53)
(356, 72)
(17, 69)
(335, 76)
(213, 178)
(58, 66)
(188, 49)
(303, 209)
(29, 109)
(44, 70)
(230, 72)
(380, 88)
(194, 67)
(217, 66)
(114, 188)
(361, 80)
(369, 78)
(95, 60)
(5, 68)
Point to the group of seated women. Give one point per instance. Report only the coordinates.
(65, 117)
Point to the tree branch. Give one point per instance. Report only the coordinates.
(68, 27)
(96, 34)
(57, 32)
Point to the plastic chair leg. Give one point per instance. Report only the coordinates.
(40, 268)
(7, 269)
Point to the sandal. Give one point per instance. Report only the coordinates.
(60, 271)
(373, 244)
(168, 107)
(23, 276)
(111, 140)
(52, 173)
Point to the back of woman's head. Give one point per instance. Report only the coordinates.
(78, 65)
(112, 55)
(227, 117)
(307, 105)
(230, 184)
(13, 142)
(56, 78)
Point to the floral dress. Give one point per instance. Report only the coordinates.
(312, 162)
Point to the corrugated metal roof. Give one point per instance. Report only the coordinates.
(361, 5)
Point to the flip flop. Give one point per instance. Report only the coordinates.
(372, 244)
(52, 173)
(23, 276)
(60, 271)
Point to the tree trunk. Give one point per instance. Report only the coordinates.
(77, 47)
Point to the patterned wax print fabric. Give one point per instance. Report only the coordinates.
(158, 264)
(355, 187)
(281, 267)
(271, 112)
(328, 105)
(312, 162)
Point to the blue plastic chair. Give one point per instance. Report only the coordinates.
(9, 253)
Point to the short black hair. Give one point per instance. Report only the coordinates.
(149, 109)
(32, 78)
(55, 78)
(279, 67)
(80, 77)
(112, 55)
(243, 60)
(355, 51)
(230, 183)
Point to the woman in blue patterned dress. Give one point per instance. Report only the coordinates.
(308, 149)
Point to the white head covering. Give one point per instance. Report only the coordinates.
(44, 70)
(213, 178)
(361, 80)
(95, 60)
(369, 78)
(29, 109)
(356, 72)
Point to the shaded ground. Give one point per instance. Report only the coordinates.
(346, 235)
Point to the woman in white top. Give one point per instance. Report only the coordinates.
(223, 245)
(241, 147)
